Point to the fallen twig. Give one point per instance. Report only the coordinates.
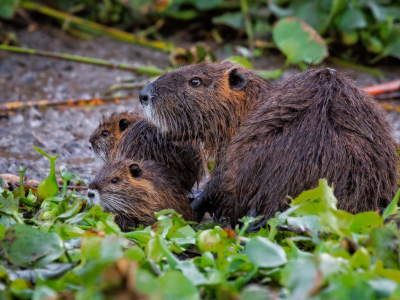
(154, 71)
(96, 28)
(390, 107)
(11, 106)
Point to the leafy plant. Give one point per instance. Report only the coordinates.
(310, 251)
(48, 187)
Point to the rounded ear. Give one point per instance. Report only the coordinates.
(237, 80)
(135, 170)
(123, 124)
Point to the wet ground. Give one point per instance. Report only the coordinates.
(66, 130)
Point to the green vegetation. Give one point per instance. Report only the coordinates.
(64, 249)
(303, 30)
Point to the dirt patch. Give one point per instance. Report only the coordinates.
(66, 131)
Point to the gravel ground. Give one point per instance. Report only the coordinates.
(66, 131)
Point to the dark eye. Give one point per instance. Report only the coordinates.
(195, 82)
(105, 133)
(115, 180)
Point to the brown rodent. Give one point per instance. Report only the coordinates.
(134, 191)
(315, 125)
(128, 136)
(106, 136)
(209, 113)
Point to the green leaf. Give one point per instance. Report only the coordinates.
(385, 244)
(206, 5)
(24, 245)
(174, 285)
(351, 19)
(240, 61)
(270, 74)
(364, 222)
(191, 272)
(301, 277)
(234, 20)
(265, 254)
(392, 208)
(361, 259)
(299, 42)
(8, 8)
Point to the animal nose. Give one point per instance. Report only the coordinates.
(144, 97)
(91, 194)
(90, 147)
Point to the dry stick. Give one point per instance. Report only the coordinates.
(383, 88)
(11, 106)
(100, 29)
(82, 59)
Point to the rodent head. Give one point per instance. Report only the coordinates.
(105, 137)
(134, 191)
(202, 103)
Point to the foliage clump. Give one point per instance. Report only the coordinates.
(62, 248)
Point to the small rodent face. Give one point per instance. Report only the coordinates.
(105, 137)
(134, 191)
(184, 103)
(120, 186)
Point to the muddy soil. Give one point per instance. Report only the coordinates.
(66, 131)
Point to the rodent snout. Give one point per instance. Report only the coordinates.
(145, 93)
(93, 196)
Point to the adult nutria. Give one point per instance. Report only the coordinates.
(315, 125)
(203, 103)
(134, 191)
(128, 136)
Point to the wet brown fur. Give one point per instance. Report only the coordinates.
(314, 125)
(143, 141)
(209, 114)
(133, 199)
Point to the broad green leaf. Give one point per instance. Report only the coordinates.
(256, 292)
(240, 61)
(383, 288)
(299, 42)
(265, 254)
(351, 19)
(364, 222)
(301, 277)
(25, 245)
(392, 208)
(174, 285)
(385, 245)
(191, 272)
(134, 253)
(348, 287)
(8, 8)
(8, 204)
(270, 74)
(301, 224)
(361, 259)
(209, 4)
(234, 20)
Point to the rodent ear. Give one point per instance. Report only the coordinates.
(123, 124)
(237, 80)
(135, 170)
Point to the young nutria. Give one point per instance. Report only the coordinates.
(135, 191)
(315, 125)
(203, 103)
(105, 137)
(128, 136)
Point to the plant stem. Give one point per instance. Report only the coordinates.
(247, 22)
(82, 59)
(374, 72)
(96, 28)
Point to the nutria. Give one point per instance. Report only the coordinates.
(203, 103)
(315, 125)
(134, 191)
(128, 136)
(105, 137)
